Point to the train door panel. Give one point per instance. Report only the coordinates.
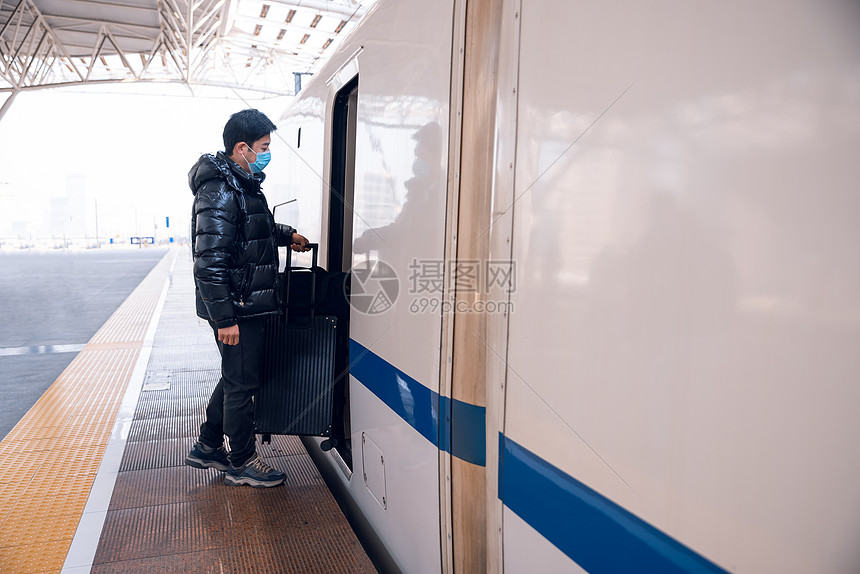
(398, 243)
(646, 225)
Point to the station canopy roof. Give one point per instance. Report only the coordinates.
(256, 45)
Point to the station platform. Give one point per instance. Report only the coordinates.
(93, 476)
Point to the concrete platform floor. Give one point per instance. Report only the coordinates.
(95, 479)
(168, 517)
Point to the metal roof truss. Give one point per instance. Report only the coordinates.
(244, 44)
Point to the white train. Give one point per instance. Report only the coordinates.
(624, 332)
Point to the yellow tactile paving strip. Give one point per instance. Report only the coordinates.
(51, 457)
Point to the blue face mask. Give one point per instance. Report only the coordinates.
(261, 162)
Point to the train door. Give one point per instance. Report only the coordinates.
(341, 190)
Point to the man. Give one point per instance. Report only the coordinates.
(235, 241)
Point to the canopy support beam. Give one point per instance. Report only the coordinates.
(8, 103)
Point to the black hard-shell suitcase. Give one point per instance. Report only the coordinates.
(298, 372)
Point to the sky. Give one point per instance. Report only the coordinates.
(129, 149)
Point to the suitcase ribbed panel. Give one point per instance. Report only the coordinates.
(298, 374)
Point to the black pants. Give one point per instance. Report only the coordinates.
(231, 408)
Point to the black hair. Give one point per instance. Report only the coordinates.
(246, 126)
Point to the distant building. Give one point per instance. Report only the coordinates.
(70, 216)
(60, 218)
(79, 213)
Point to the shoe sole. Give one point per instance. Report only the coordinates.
(247, 481)
(204, 464)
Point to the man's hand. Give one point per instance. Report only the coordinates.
(229, 335)
(300, 243)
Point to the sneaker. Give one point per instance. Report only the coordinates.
(254, 473)
(202, 456)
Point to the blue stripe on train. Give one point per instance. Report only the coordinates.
(589, 528)
(464, 437)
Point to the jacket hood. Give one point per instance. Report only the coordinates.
(219, 166)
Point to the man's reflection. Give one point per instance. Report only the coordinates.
(416, 218)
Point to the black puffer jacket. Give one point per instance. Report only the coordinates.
(235, 241)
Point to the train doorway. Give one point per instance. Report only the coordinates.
(339, 258)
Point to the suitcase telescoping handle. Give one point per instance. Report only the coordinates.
(288, 272)
(315, 247)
